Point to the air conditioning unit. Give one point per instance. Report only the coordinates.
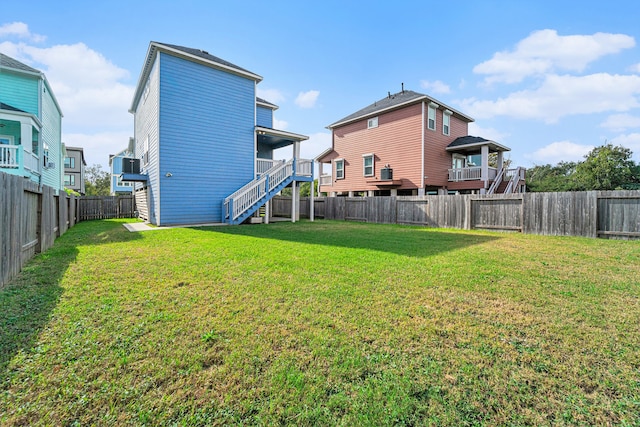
(386, 174)
(51, 165)
(130, 165)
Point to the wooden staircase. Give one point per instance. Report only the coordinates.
(251, 197)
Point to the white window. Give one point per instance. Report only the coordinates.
(431, 120)
(339, 168)
(368, 164)
(372, 123)
(121, 183)
(69, 180)
(70, 162)
(446, 122)
(145, 151)
(45, 154)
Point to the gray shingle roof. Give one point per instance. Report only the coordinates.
(204, 55)
(8, 62)
(383, 104)
(467, 140)
(264, 101)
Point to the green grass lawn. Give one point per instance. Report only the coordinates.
(325, 323)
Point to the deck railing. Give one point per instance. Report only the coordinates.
(471, 174)
(304, 167)
(263, 165)
(516, 174)
(31, 162)
(496, 182)
(325, 179)
(9, 156)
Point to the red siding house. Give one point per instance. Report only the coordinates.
(409, 143)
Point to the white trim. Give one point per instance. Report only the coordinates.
(335, 166)
(377, 112)
(281, 133)
(432, 107)
(269, 106)
(10, 138)
(479, 145)
(422, 153)
(373, 164)
(372, 122)
(446, 118)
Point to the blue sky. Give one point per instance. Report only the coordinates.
(550, 79)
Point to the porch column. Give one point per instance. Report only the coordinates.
(294, 198)
(484, 171)
(267, 211)
(313, 193)
(500, 160)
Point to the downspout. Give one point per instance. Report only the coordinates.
(422, 154)
(255, 134)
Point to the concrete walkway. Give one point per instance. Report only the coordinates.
(141, 226)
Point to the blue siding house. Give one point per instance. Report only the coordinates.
(118, 186)
(30, 125)
(205, 141)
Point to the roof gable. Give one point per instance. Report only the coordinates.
(8, 62)
(189, 54)
(391, 102)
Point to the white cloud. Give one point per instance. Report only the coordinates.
(556, 152)
(635, 68)
(280, 124)
(271, 95)
(20, 30)
(545, 51)
(307, 99)
(92, 93)
(621, 122)
(487, 133)
(435, 86)
(631, 141)
(560, 96)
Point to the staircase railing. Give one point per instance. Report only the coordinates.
(496, 182)
(248, 195)
(513, 187)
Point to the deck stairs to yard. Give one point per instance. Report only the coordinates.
(251, 197)
(507, 181)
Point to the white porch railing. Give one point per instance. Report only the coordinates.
(516, 174)
(471, 174)
(304, 167)
(263, 165)
(325, 179)
(496, 182)
(31, 161)
(9, 156)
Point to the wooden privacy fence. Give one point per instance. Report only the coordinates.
(609, 214)
(105, 207)
(33, 216)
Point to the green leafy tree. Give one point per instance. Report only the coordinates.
(607, 167)
(305, 189)
(97, 181)
(544, 178)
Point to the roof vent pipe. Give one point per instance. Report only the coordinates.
(389, 95)
(402, 87)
